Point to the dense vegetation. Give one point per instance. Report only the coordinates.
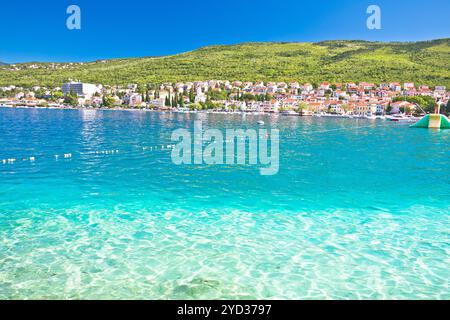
(336, 61)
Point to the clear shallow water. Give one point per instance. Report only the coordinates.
(359, 209)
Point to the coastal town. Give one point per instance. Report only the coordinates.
(361, 99)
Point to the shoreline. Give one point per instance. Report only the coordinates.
(253, 113)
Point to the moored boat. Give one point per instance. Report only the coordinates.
(289, 113)
(400, 118)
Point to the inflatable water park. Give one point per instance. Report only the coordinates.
(433, 121)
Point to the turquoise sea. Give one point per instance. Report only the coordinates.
(360, 209)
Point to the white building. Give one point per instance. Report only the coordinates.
(336, 109)
(85, 90)
(307, 87)
(200, 97)
(158, 103)
(132, 86)
(324, 86)
(270, 106)
(133, 99)
(408, 85)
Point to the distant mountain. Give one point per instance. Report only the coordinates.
(426, 62)
(2, 63)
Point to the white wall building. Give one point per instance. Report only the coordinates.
(133, 99)
(85, 90)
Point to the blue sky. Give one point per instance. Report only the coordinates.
(36, 31)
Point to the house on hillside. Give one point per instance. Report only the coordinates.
(395, 86)
(408, 85)
(324, 86)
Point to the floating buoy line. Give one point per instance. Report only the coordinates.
(346, 129)
(69, 156)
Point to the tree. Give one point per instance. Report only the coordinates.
(216, 95)
(211, 105)
(71, 99)
(389, 109)
(56, 95)
(406, 110)
(447, 108)
(174, 101)
(195, 106)
(191, 95)
(232, 107)
(345, 107)
(301, 107)
(181, 101)
(107, 101)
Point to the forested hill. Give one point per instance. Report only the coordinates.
(335, 61)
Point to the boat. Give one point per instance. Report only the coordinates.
(261, 123)
(334, 115)
(289, 113)
(400, 118)
(370, 116)
(306, 113)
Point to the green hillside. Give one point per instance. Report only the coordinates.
(336, 61)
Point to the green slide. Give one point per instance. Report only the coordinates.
(434, 121)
